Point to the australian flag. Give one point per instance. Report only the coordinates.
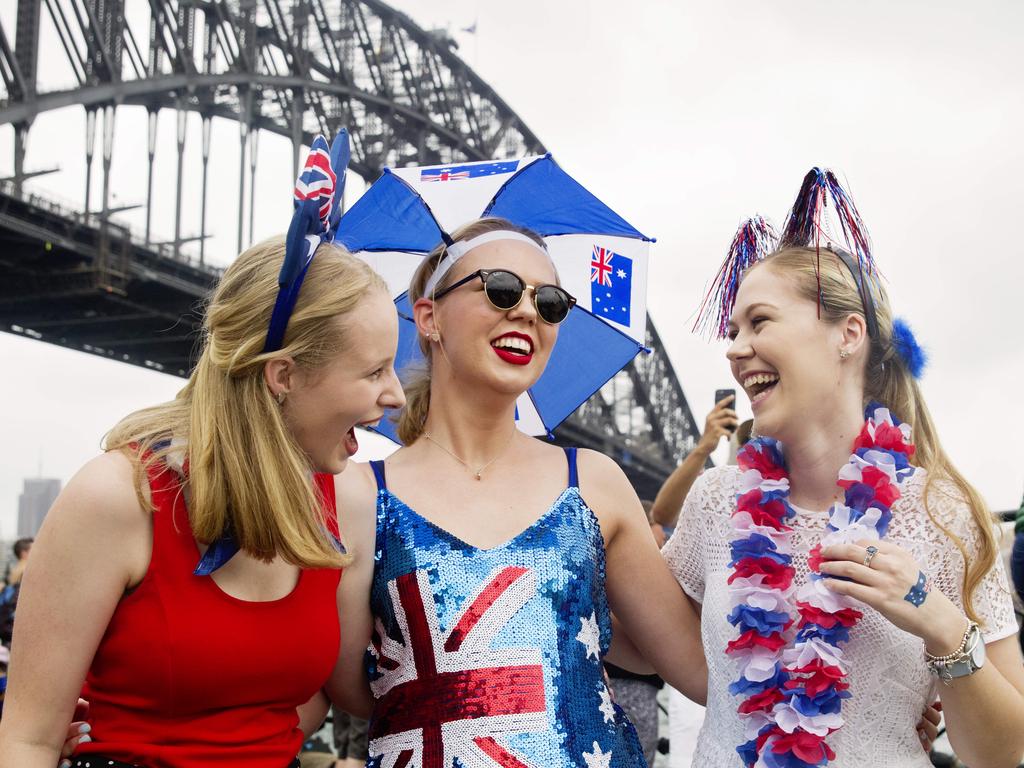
(611, 285)
(472, 171)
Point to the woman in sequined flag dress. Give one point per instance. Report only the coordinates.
(494, 557)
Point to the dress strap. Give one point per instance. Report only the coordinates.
(378, 472)
(570, 455)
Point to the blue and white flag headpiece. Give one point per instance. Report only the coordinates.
(317, 200)
(600, 258)
(456, 250)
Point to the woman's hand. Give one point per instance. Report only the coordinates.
(78, 733)
(928, 725)
(886, 577)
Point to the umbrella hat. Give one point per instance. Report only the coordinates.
(601, 259)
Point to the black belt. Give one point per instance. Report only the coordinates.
(102, 761)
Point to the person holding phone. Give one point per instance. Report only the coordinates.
(721, 422)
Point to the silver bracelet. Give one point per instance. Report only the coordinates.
(958, 653)
(966, 660)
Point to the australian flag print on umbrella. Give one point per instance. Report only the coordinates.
(402, 216)
(611, 285)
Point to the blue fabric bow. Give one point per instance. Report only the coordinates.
(318, 193)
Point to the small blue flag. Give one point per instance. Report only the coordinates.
(611, 285)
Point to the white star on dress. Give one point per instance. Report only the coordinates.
(597, 758)
(621, 274)
(590, 636)
(607, 708)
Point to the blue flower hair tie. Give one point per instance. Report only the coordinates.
(906, 346)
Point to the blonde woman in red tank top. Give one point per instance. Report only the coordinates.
(184, 670)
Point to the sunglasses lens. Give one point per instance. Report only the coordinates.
(504, 290)
(553, 303)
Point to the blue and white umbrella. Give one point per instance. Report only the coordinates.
(601, 260)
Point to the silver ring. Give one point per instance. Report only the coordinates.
(871, 552)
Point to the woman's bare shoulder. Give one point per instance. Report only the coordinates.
(105, 489)
(99, 515)
(356, 492)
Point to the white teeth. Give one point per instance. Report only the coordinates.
(513, 342)
(759, 378)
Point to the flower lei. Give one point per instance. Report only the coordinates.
(793, 684)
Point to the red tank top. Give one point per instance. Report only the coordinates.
(187, 676)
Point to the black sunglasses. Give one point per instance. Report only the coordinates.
(504, 291)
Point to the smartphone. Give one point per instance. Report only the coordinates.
(721, 394)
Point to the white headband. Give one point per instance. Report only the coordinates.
(456, 251)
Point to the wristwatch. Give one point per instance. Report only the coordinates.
(964, 661)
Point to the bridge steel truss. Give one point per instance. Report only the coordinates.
(294, 68)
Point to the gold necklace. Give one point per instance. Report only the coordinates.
(464, 463)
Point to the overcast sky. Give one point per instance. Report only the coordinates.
(685, 118)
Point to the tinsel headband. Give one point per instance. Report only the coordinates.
(754, 240)
(807, 226)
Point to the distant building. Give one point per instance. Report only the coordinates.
(33, 504)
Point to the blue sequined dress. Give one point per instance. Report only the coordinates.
(492, 657)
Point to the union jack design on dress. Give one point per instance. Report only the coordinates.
(601, 266)
(318, 180)
(449, 694)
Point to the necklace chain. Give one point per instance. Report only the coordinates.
(479, 470)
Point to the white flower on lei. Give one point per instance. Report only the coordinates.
(816, 593)
(754, 722)
(751, 592)
(751, 479)
(880, 460)
(745, 526)
(807, 652)
(789, 719)
(848, 532)
(757, 664)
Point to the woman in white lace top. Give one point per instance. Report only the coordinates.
(809, 367)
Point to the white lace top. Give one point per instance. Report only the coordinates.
(889, 681)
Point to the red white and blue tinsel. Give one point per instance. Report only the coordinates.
(792, 668)
(754, 239)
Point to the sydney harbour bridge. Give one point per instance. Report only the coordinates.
(77, 276)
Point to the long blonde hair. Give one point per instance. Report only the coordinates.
(417, 382)
(888, 381)
(246, 473)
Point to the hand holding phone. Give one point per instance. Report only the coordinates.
(722, 394)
